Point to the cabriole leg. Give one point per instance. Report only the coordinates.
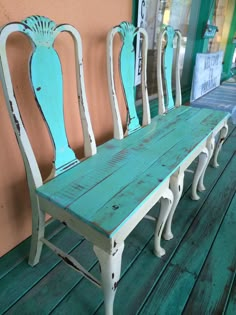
(210, 148)
(176, 186)
(202, 162)
(110, 274)
(223, 134)
(166, 204)
(38, 228)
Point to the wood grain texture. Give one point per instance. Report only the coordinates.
(157, 159)
(128, 33)
(18, 282)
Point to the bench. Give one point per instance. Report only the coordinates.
(107, 194)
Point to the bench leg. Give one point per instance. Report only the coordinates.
(110, 273)
(202, 162)
(210, 148)
(166, 205)
(38, 228)
(176, 186)
(222, 136)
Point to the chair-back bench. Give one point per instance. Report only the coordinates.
(106, 195)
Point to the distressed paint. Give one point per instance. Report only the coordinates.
(221, 139)
(166, 205)
(110, 273)
(127, 73)
(165, 55)
(133, 173)
(127, 66)
(46, 78)
(167, 65)
(202, 164)
(210, 147)
(176, 186)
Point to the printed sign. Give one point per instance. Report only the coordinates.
(142, 7)
(207, 73)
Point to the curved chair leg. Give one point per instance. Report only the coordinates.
(203, 159)
(110, 273)
(176, 186)
(166, 204)
(210, 147)
(223, 134)
(38, 229)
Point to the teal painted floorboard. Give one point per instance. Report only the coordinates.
(210, 293)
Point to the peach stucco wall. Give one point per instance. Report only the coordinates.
(93, 18)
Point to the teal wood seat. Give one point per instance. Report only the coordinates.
(170, 100)
(106, 195)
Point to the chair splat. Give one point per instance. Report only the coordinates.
(127, 33)
(127, 67)
(47, 84)
(165, 68)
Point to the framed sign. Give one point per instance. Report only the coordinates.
(207, 73)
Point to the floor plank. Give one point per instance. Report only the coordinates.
(231, 305)
(210, 293)
(21, 252)
(22, 278)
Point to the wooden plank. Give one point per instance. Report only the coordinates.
(107, 154)
(55, 285)
(231, 306)
(177, 282)
(209, 294)
(21, 252)
(115, 153)
(23, 277)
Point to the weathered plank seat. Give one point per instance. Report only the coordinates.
(104, 197)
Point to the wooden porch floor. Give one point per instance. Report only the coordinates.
(196, 276)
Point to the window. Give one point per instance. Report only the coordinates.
(158, 12)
